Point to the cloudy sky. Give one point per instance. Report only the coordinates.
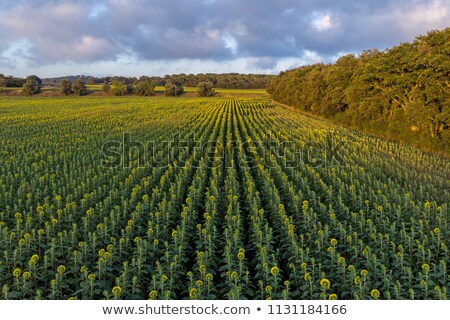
(157, 37)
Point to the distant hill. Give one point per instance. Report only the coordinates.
(402, 93)
(57, 80)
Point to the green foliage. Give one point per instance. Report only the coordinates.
(224, 81)
(32, 85)
(106, 87)
(145, 88)
(205, 89)
(65, 87)
(10, 81)
(117, 88)
(79, 87)
(173, 90)
(129, 88)
(242, 220)
(402, 93)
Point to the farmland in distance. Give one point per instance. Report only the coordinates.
(213, 198)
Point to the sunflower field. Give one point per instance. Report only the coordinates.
(210, 198)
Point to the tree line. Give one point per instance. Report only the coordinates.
(224, 81)
(11, 82)
(118, 85)
(402, 93)
(146, 87)
(143, 87)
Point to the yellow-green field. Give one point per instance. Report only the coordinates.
(226, 91)
(160, 90)
(212, 198)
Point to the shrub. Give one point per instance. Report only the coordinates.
(205, 89)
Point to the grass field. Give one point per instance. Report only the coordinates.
(219, 90)
(94, 87)
(173, 198)
(159, 90)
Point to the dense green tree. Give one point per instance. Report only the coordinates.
(205, 89)
(65, 87)
(226, 80)
(117, 88)
(32, 85)
(79, 87)
(402, 93)
(129, 88)
(172, 90)
(145, 87)
(340, 74)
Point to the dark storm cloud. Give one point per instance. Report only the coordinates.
(260, 30)
(283, 28)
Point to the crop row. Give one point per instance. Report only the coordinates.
(239, 199)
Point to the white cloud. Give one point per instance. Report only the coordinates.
(16, 53)
(421, 16)
(90, 48)
(129, 65)
(230, 43)
(323, 22)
